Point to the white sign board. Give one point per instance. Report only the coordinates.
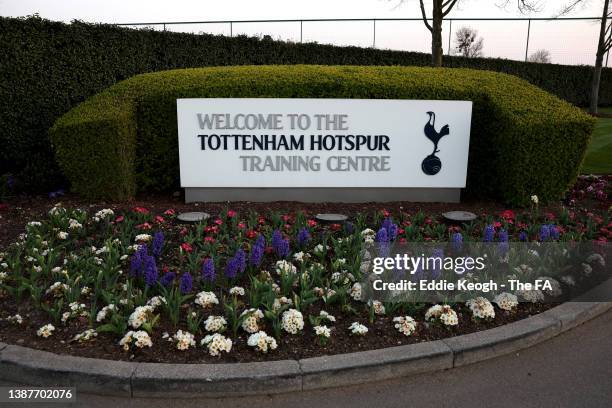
(323, 142)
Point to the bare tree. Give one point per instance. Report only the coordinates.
(603, 46)
(541, 56)
(467, 42)
(441, 8)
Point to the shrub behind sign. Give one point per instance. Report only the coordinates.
(524, 141)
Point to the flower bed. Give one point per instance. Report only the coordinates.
(131, 282)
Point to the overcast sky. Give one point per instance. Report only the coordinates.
(568, 42)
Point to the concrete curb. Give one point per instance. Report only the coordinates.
(23, 365)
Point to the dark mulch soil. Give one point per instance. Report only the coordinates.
(19, 210)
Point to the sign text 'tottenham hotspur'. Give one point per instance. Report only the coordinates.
(264, 142)
(269, 142)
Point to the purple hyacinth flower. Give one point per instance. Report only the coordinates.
(137, 260)
(283, 249)
(208, 271)
(382, 235)
(391, 228)
(544, 232)
(489, 233)
(457, 241)
(231, 269)
(554, 232)
(158, 244)
(436, 272)
(277, 237)
(504, 246)
(349, 227)
(150, 271)
(303, 237)
(167, 279)
(260, 241)
(186, 283)
(240, 258)
(257, 253)
(280, 244)
(523, 236)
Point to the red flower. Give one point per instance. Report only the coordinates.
(269, 250)
(119, 218)
(251, 234)
(507, 215)
(211, 229)
(141, 210)
(184, 231)
(428, 221)
(402, 240)
(335, 227)
(165, 268)
(400, 231)
(550, 216)
(186, 247)
(261, 220)
(169, 211)
(386, 213)
(145, 226)
(286, 218)
(159, 219)
(241, 225)
(231, 213)
(218, 221)
(209, 239)
(496, 224)
(312, 223)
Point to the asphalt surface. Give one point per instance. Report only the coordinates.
(571, 370)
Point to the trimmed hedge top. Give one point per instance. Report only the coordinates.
(524, 141)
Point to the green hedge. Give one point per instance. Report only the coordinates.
(524, 140)
(49, 67)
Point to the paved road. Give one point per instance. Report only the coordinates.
(571, 370)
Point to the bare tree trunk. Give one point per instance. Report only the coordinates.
(436, 34)
(601, 49)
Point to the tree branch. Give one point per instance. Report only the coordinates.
(448, 10)
(569, 7)
(424, 14)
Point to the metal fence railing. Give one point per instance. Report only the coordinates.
(570, 40)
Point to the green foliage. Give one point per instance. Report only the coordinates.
(524, 141)
(48, 67)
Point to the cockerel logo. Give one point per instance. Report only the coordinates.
(431, 165)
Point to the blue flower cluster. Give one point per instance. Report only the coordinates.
(280, 244)
(548, 232)
(158, 244)
(143, 265)
(303, 237)
(208, 271)
(257, 251)
(186, 283)
(391, 228)
(457, 241)
(489, 233)
(236, 264)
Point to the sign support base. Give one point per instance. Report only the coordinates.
(311, 195)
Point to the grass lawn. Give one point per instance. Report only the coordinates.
(599, 154)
